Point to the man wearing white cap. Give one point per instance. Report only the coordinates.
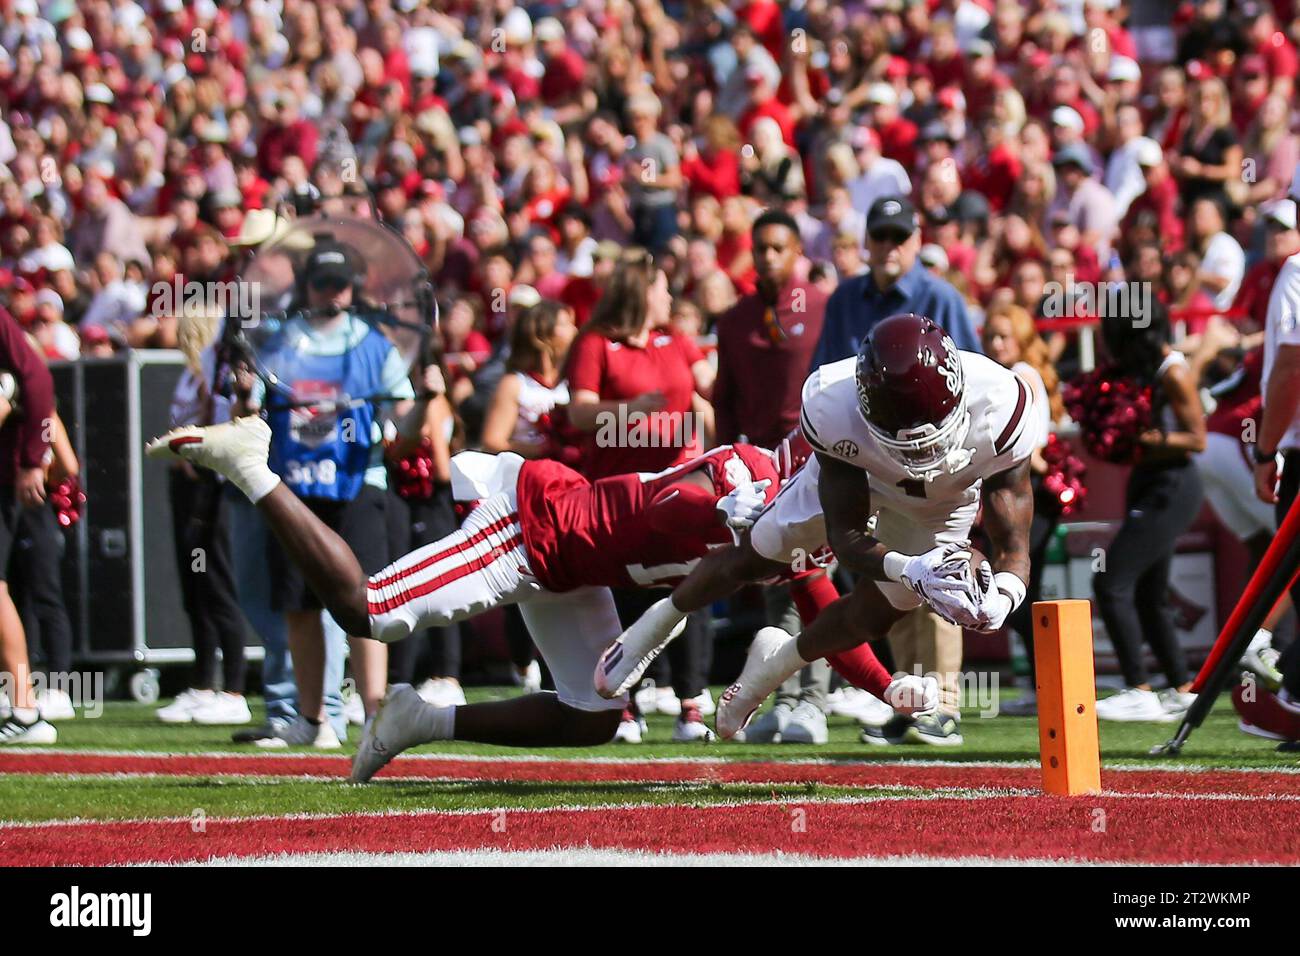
(1279, 427)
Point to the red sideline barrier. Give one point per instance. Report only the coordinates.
(1268, 570)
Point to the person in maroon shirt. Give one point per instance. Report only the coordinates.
(288, 135)
(766, 341)
(897, 135)
(27, 408)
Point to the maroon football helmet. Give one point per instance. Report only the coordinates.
(912, 393)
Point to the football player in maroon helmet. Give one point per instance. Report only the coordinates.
(910, 439)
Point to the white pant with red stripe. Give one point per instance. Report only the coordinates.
(484, 565)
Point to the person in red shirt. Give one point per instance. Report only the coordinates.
(1282, 242)
(897, 134)
(632, 385)
(1277, 51)
(539, 536)
(763, 102)
(563, 87)
(1160, 199)
(998, 168)
(713, 167)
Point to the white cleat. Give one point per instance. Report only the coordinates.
(624, 661)
(237, 449)
(1133, 705)
(860, 705)
(762, 675)
(395, 727)
(354, 710)
(37, 733)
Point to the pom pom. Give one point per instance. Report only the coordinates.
(1112, 411)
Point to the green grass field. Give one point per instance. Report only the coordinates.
(1217, 743)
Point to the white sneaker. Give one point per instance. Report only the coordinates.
(857, 704)
(807, 725)
(442, 692)
(691, 728)
(1133, 704)
(624, 661)
(237, 449)
(55, 704)
(222, 709)
(704, 703)
(530, 678)
(5, 710)
(354, 711)
(302, 733)
(769, 727)
(629, 730)
(647, 698)
(181, 710)
(666, 702)
(12, 731)
(1174, 702)
(394, 728)
(761, 676)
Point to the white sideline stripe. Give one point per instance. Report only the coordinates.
(922, 793)
(588, 856)
(651, 761)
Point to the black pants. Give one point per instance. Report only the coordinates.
(1288, 490)
(1131, 590)
(37, 583)
(1047, 515)
(413, 523)
(689, 657)
(208, 594)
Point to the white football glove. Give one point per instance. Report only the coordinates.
(912, 694)
(743, 506)
(942, 578)
(1000, 594)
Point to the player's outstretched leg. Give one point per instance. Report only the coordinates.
(405, 720)
(238, 450)
(863, 614)
(719, 574)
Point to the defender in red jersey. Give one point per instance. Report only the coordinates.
(542, 537)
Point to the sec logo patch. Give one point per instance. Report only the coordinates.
(845, 448)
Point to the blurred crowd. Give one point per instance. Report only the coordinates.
(523, 148)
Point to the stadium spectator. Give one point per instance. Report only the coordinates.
(201, 535)
(24, 441)
(1162, 499)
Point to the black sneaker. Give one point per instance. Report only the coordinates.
(937, 730)
(272, 728)
(893, 731)
(1289, 747)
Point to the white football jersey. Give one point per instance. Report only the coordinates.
(1004, 431)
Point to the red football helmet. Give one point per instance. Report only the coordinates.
(791, 454)
(912, 393)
